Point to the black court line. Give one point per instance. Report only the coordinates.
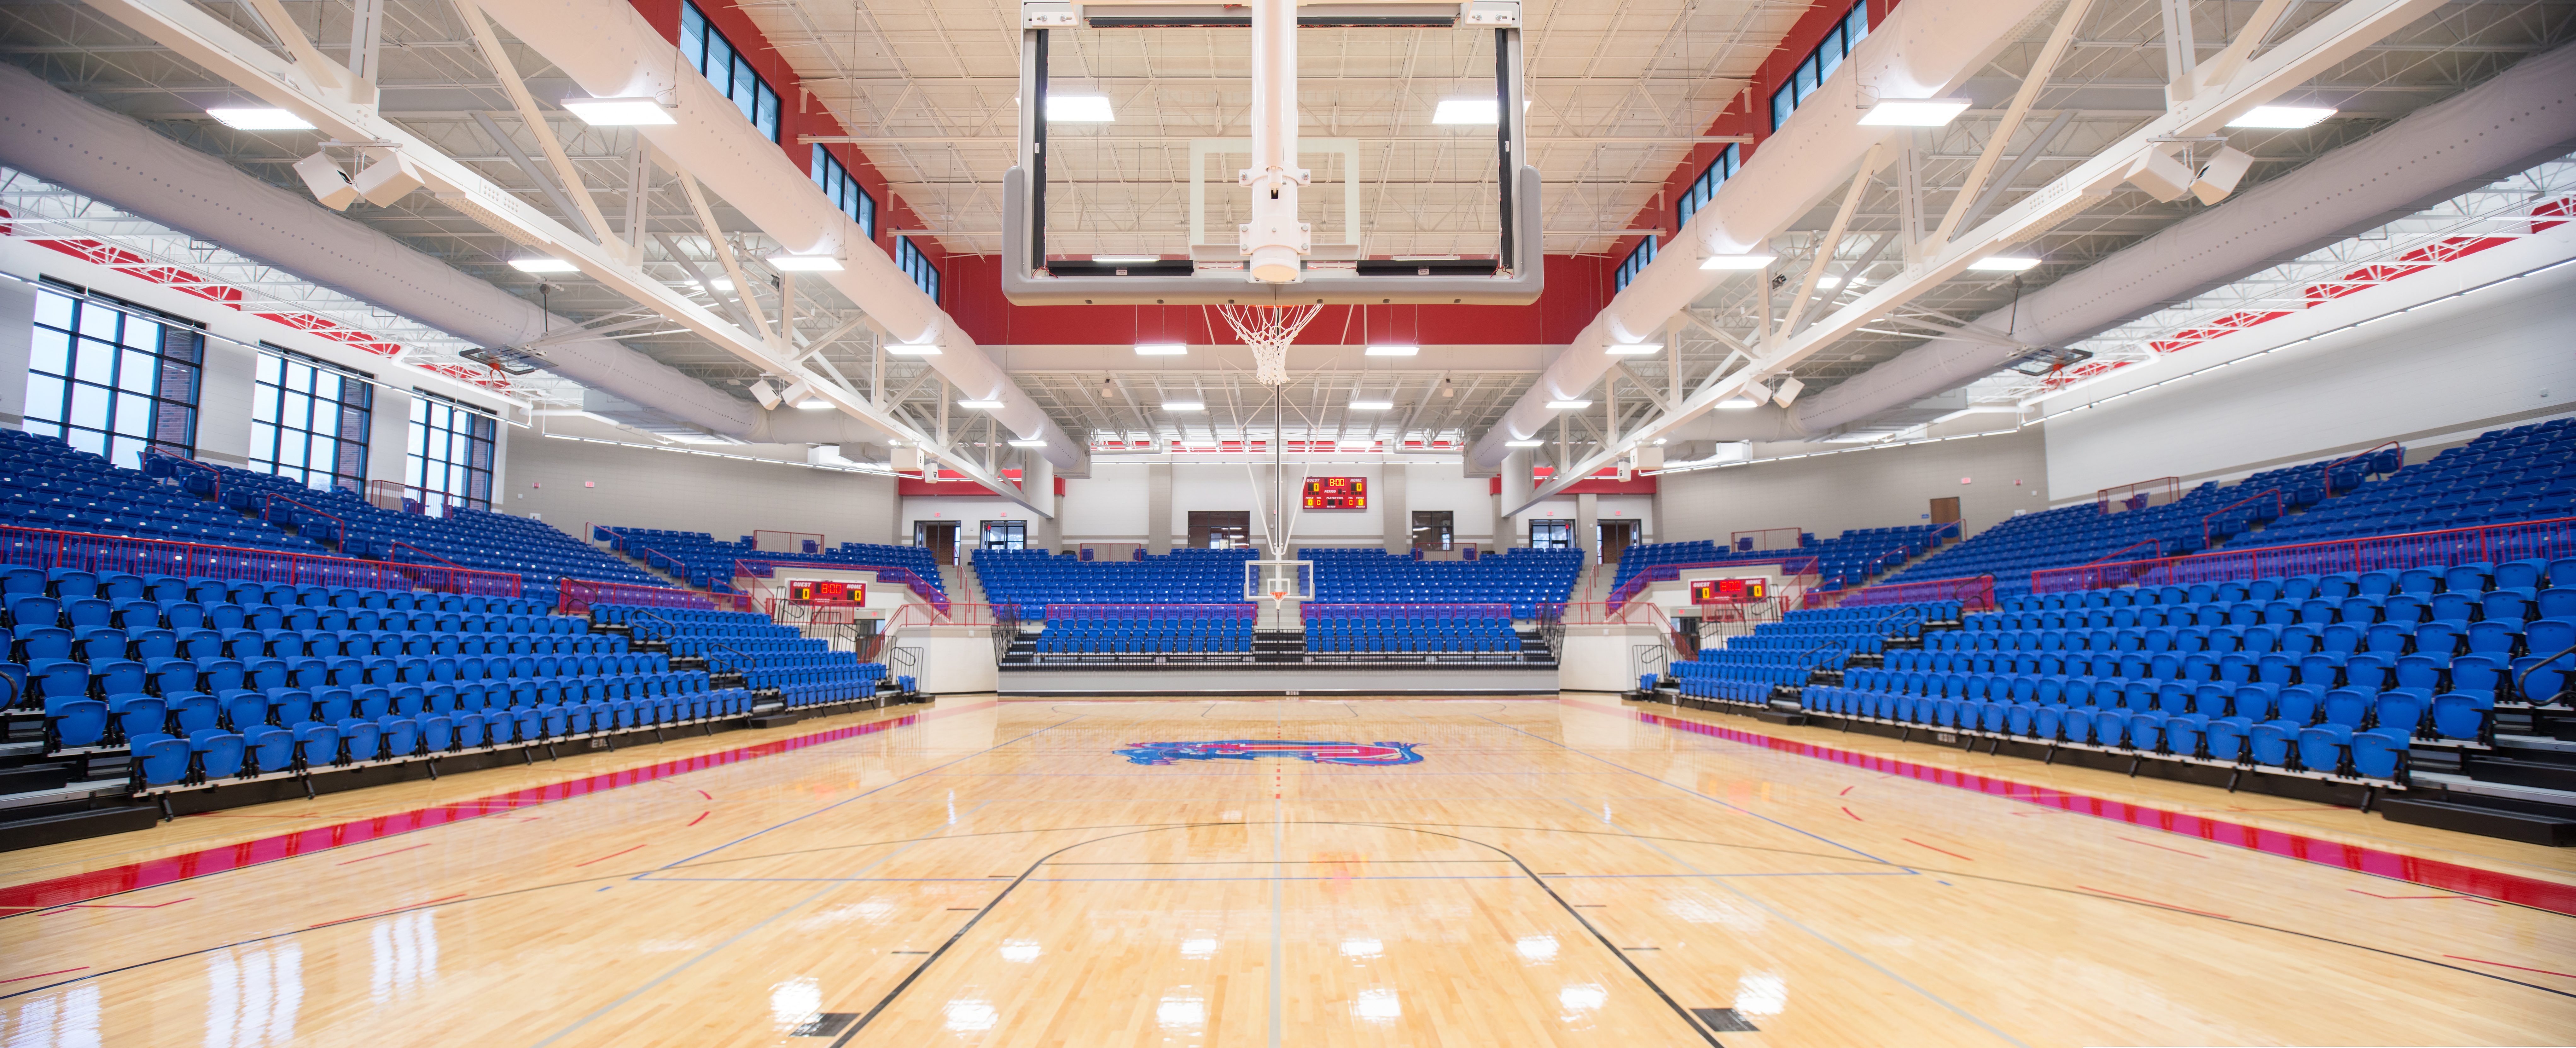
(1687, 1018)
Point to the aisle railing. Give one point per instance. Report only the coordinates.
(42, 548)
(2545, 539)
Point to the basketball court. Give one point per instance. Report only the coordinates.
(1472, 871)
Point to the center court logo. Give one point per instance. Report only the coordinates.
(1362, 753)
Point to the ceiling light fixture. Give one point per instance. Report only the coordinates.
(980, 405)
(1738, 402)
(1914, 112)
(1028, 443)
(1633, 349)
(815, 404)
(2002, 264)
(619, 112)
(912, 349)
(1524, 443)
(260, 120)
(1391, 351)
(1466, 111)
(1184, 405)
(2287, 118)
(1743, 262)
(1371, 405)
(542, 265)
(1162, 349)
(1084, 109)
(1568, 405)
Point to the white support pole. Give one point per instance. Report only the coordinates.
(1274, 241)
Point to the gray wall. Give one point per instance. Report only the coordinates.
(1858, 489)
(727, 498)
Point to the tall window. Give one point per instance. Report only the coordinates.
(1704, 188)
(1820, 63)
(451, 451)
(113, 381)
(726, 68)
(1006, 534)
(1551, 534)
(1635, 264)
(917, 266)
(844, 191)
(308, 421)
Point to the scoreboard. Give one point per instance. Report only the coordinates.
(1726, 591)
(853, 592)
(1337, 493)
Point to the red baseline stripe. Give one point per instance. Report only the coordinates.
(2431, 873)
(82, 887)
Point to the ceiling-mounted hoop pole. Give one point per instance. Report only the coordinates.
(1275, 244)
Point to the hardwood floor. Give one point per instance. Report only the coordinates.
(1546, 873)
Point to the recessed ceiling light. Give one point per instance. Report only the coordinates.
(1162, 349)
(260, 120)
(980, 405)
(1745, 261)
(816, 404)
(1371, 405)
(1028, 443)
(1738, 402)
(804, 263)
(2002, 264)
(542, 265)
(1184, 405)
(1634, 349)
(2283, 117)
(912, 349)
(1524, 443)
(1392, 351)
(1568, 405)
(618, 112)
(1465, 111)
(1914, 112)
(1086, 109)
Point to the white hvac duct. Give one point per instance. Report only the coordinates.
(608, 48)
(60, 138)
(2520, 118)
(1924, 49)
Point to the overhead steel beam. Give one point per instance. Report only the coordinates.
(317, 91)
(2328, 40)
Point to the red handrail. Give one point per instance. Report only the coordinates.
(216, 474)
(1758, 533)
(405, 545)
(2207, 517)
(575, 596)
(268, 510)
(1975, 593)
(885, 573)
(2156, 544)
(2547, 539)
(33, 547)
(1638, 582)
(2172, 485)
(2328, 468)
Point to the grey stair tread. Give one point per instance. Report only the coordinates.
(2534, 742)
(72, 792)
(2464, 784)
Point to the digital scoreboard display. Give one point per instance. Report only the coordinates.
(853, 592)
(1337, 493)
(1727, 591)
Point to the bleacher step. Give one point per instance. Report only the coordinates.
(2516, 772)
(65, 793)
(61, 827)
(31, 777)
(2486, 818)
(2463, 785)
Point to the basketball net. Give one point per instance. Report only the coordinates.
(1268, 330)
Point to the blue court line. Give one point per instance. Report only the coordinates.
(1695, 793)
(847, 800)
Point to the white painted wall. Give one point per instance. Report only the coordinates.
(1878, 488)
(727, 498)
(2493, 359)
(1112, 505)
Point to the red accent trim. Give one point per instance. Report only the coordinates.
(2152, 902)
(40, 975)
(2431, 873)
(2473, 960)
(1944, 851)
(605, 858)
(97, 884)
